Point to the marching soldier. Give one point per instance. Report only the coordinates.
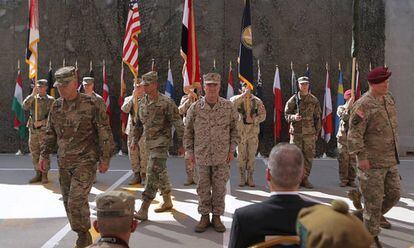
(79, 126)
(303, 112)
(251, 113)
(37, 125)
(158, 114)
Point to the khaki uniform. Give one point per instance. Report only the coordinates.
(347, 163)
(158, 116)
(303, 133)
(373, 136)
(37, 132)
(211, 134)
(248, 132)
(81, 130)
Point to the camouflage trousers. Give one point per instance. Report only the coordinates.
(380, 188)
(306, 143)
(36, 139)
(190, 170)
(246, 153)
(157, 175)
(347, 164)
(138, 162)
(76, 180)
(211, 188)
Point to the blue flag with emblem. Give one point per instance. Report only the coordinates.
(340, 98)
(169, 85)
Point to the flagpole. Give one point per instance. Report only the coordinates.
(90, 65)
(64, 63)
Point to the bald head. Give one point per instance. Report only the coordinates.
(285, 166)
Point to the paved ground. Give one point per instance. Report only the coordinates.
(33, 215)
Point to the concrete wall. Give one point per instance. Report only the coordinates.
(399, 56)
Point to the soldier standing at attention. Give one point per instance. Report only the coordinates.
(210, 139)
(346, 162)
(251, 113)
(138, 163)
(158, 114)
(37, 127)
(88, 86)
(373, 138)
(303, 112)
(79, 126)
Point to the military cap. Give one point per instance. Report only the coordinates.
(378, 75)
(333, 226)
(212, 78)
(149, 77)
(41, 82)
(347, 94)
(115, 204)
(64, 75)
(88, 80)
(303, 80)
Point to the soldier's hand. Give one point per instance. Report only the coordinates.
(35, 90)
(181, 151)
(42, 165)
(364, 165)
(103, 167)
(351, 102)
(297, 117)
(230, 157)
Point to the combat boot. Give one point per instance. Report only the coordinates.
(384, 223)
(306, 184)
(143, 211)
(166, 205)
(203, 223)
(355, 196)
(242, 179)
(45, 180)
(36, 178)
(217, 224)
(84, 240)
(250, 181)
(136, 179)
(189, 181)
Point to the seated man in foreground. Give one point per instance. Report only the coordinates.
(277, 215)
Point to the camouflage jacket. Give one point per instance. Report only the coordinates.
(158, 116)
(44, 105)
(99, 99)
(372, 131)
(343, 114)
(185, 104)
(309, 109)
(81, 130)
(211, 133)
(258, 114)
(128, 108)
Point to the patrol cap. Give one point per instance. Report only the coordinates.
(212, 78)
(115, 204)
(88, 80)
(333, 226)
(347, 94)
(378, 75)
(64, 75)
(149, 77)
(41, 82)
(303, 80)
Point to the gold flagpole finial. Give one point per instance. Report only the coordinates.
(291, 65)
(326, 66)
(76, 64)
(258, 63)
(214, 63)
(18, 64)
(370, 66)
(64, 63)
(103, 62)
(90, 65)
(230, 63)
(339, 65)
(169, 64)
(277, 66)
(307, 67)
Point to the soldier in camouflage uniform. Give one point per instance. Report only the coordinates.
(373, 138)
(158, 114)
(79, 126)
(138, 163)
(251, 113)
(211, 138)
(303, 112)
(346, 162)
(37, 127)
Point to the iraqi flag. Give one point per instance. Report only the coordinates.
(17, 108)
(327, 110)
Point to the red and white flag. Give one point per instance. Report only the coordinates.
(130, 47)
(189, 51)
(327, 127)
(105, 92)
(278, 106)
(124, 116)
(230, 87)
(33, 38)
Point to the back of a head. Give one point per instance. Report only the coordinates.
(286, 165)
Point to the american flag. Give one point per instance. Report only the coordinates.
(133, 28)
(33, 38)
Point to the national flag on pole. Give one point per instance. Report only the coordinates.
(19, 122)
(340, 97)
(230, 85)
(105, 92)
(130, 47)
(50, 80)
(293, 83)
(189, 50)
(327, 110)
(33, 38)
(277, 106)
(357, 84)
(245, 50)
(169, 85)
(124, 116)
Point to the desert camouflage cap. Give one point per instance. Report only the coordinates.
(88, 80)
(115, 204)
(303, 80)
(64, 75)
(150, 77)
(41, 82)
(212, 78)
